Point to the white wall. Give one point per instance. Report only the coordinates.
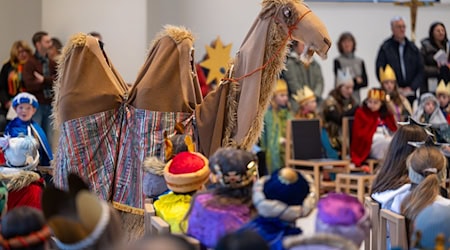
(122, 24)
(19, 19)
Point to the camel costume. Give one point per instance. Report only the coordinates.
(107, 130)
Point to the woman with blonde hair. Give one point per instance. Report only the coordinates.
(11, 77)
(427, 168)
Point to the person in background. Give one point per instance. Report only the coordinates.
(55, 49)
(372, 130)
(404, 58)
(397, 104)
(307, 103)
(38, 77)
(435, 71)
(11, 77)
(242, 241)
(340, 103)
(443, 96)
(429, 112)
(273, 137)
(389, 186)
(347, 59)
(298, 74)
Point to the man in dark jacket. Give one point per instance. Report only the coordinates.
(38, 76)
(404, 57)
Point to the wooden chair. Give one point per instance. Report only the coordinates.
(373, 208)
(354, 183)
(304, 151)
(347, 124)
(149, 211)
(397, 229)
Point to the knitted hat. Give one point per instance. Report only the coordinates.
(233, 168)
(430, 222)
(303, 95)
(25, 97)
(376, 93)
(344, 215)
(20, 152)
(387, 74)
(281, 86)
(443, 89)
(186, 172)
(343, 77)
(281, 194)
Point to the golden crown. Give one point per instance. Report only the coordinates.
(378, 94)
(442, 88)
(303, 94)
(281, 86)
(387, 74)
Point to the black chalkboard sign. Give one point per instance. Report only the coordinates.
(306, 142)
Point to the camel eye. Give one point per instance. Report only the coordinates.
(287, 12)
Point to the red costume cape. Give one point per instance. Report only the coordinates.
(364, 126)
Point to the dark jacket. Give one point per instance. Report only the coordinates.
(389, 54)
(32, 85)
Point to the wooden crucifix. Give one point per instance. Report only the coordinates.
(413, 6)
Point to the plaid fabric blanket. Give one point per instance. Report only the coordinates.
(108, 149)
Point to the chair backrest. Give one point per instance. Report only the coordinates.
(347, 125)
(149, 211)
(373, 208)
(304, 135)
(159, 226)
(397, 229)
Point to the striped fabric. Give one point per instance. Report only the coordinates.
(108, 148)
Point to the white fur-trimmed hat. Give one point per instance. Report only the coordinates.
(25, 97)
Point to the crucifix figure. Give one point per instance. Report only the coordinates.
(413, 6)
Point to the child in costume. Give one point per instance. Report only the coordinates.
(341, 223)
(227, 206)
(397, 104)
(443, 96)
(25, 105)
(372, 128)
(185, 174)
(340, 103)
(79, 220)
(153, 182)
(278, 198)
(25, 186)
(274, 132)
(24, 228)
(429, 112)
(307, 103)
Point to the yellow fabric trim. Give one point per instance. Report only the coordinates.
(128, 209)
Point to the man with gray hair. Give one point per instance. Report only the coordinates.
(404, 58)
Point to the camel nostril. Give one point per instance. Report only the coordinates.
(327, 42)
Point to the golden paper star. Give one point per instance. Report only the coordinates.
(217, 60)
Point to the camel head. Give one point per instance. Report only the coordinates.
(302, 25)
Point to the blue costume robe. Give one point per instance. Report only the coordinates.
(17, 127)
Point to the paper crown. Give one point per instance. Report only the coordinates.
(77, 217)
(344, 215)
(281, 194)
(377, 94)
(303, 95)
(281, 86)
(343, 77)
(443, 89)
(25, 97)
(233, 168)
(387, 74)
(186, 172)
